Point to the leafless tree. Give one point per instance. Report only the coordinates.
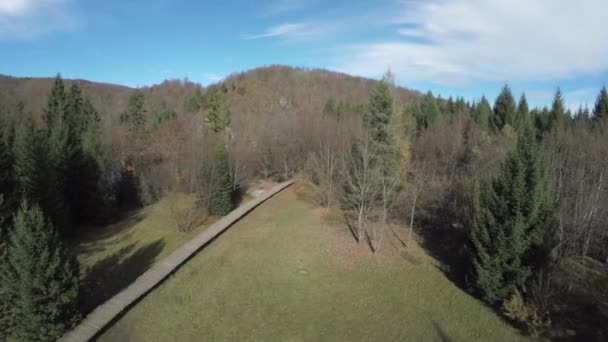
(578, 160)
(361, 186)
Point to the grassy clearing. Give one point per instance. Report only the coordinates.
(283, 273)
(114, 256)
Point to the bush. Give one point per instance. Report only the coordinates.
(527, 315)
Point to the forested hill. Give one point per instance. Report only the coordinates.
(32, 94)
(266, 89)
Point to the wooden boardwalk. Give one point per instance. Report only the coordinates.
(111, 309)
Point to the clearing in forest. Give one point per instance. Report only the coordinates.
(286, 273)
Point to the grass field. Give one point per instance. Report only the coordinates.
(114, 256)
(283, 273)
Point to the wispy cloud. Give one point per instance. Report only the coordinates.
(456, 42)
(31, 18)
(278, 7)
(286, 29)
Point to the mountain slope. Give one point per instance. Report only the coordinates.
(267, 89)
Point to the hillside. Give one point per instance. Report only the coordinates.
(263, 90)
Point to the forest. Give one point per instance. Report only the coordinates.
(512, 200)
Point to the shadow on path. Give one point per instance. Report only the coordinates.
(111, 274)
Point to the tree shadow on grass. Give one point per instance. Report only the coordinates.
(446, 242)
(112, 274)
(97, 239)
(443, 336)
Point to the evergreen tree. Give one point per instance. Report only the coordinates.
(221, 185)
(7, 315)
(558, 110)
(329, 109)
(95, 191)
(58, 197)
(7, 183)
(218, 115)
(41, 278)
(378, 117)
(522, 116)
(6, 212)
(30, 168)
(482, 113)
(136, 119)
(427, 113)
(510, 223)
(504, 110)
(56, 103)
(600, 110)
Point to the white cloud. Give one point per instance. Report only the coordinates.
(460, 41)
(30, 18)
(286, 29)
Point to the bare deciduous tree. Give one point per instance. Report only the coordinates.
(361, 186)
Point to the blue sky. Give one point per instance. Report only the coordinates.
(452, 47)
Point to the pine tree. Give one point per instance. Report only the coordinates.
(482, 113)
(504, 110)
(6, 212)
(378, 117)
(329, 110)
(7, 183)
(522, 116)
(218, 115)
(95, 191)
(55, 105)
(136, 119)
(7, 315)
(427, 113)
(41, 278)
(510, 223)
(221, 185)
(558, 110)
(600, 110)
(30, 168)
(58, 197)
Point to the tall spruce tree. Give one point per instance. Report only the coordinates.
(558, 110)
(600, 110)
(378, 117)
(218, 114)
(504, 109)
(41, 278)
(30, 169)
(136, 119)
(56, 104)
(57, 204)
(510, 223)
(7, 182)
(482, 113)
(427, 112)
(522, 116)
(221, 185)
(7, 315)
(7, 198)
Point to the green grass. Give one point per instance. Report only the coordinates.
(114, 256)
(283, 273)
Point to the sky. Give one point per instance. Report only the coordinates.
(454, 48)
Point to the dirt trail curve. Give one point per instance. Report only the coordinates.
(104, 314)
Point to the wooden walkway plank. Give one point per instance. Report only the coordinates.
(105, 313)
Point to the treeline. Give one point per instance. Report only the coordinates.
(507, 192)
(506, 196)
(60, 176)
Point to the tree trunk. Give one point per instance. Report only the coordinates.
(359, 225)
(409, 234)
